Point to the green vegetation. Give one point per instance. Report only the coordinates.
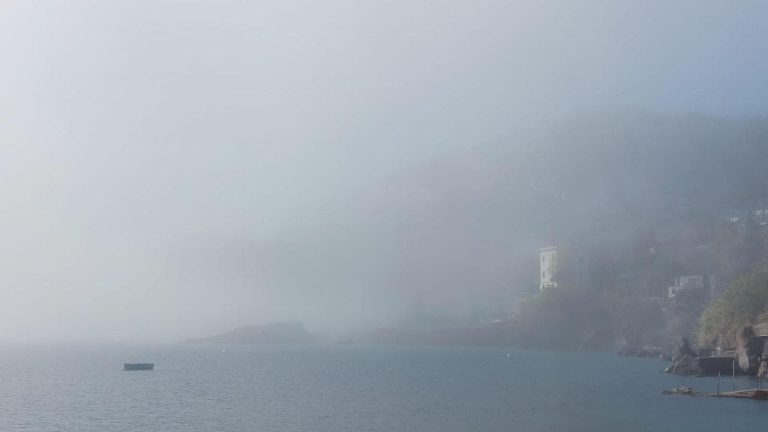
(741, 305)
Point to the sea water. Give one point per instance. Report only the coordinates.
(354, 388)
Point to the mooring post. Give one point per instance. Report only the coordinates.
(718, 383)
(757, 382)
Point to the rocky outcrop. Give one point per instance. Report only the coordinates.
(685, 391)
(685, 360)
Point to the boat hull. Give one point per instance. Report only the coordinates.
(138, 366)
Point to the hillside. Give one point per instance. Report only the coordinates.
(275, 333)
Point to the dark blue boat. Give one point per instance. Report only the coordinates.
(138, 366)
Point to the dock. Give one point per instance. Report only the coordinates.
(753, 394)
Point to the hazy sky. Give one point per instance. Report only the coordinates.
(170, 169)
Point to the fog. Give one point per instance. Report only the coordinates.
(172, 169)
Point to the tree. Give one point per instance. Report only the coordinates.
(740, 306)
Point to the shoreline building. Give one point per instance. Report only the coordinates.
(547, 267)
(701, 287)
(564, 267)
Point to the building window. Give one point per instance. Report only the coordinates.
(543, 259)
(543, 274)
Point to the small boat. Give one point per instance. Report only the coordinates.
(138, 366)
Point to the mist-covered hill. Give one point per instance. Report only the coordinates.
(460, 234)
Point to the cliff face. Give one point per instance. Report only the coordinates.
(275, 333)
(750, 350)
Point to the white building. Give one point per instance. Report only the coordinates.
(547, 267)
(706, 287)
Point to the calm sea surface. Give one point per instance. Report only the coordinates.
(353, 388)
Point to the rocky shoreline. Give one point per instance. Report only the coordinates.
(750, 357)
